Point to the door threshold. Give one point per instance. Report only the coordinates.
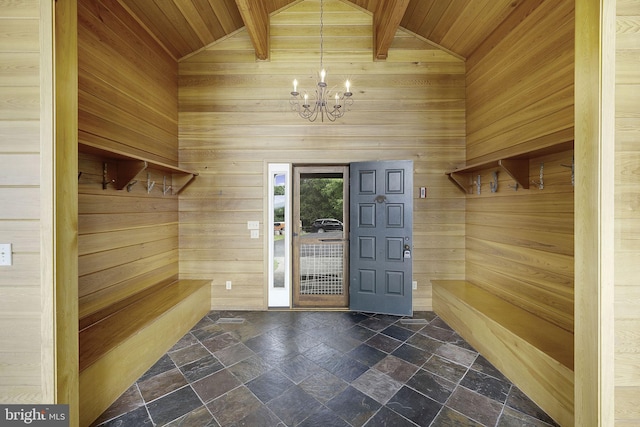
(339, 309)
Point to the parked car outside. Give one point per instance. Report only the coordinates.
(278, 227)
(326, 224)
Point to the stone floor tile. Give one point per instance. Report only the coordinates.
(353, 406)
(414, 406)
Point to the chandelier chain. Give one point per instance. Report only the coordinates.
(321, 32)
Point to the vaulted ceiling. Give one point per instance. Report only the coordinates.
(459, 26)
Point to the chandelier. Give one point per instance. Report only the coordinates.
(322, 102)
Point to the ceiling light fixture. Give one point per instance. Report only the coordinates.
(322, 103)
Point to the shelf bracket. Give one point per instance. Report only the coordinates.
(517, 169)
(182, 181)
(127, 171)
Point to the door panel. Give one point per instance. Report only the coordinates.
(381, 205)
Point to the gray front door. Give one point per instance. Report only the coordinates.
(381, 219)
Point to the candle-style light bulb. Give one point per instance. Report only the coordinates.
(295, 85)
(323, 73)
(347, 85)
(336, 99)
(305, 98)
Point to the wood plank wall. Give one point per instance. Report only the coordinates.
(20, 284)
(235, 117)
(128, 95)
(627, 215)
(520, 97)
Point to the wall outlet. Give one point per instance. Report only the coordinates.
(253, 225)
(255, 234)
(228, 284)
(414, 285)
(6, 257)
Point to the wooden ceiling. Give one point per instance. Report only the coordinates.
(460, 26)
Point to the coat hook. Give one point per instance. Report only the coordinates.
(514, 186)
(573, 170)
(105, 179)
(478, 184)
(130, 185)
(79, 175)
(165, 189)
(150, 183)
(494, 184)
(540, 184)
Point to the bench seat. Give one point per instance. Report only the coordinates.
(116, 350)
(535, 354)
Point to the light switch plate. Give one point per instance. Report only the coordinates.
(5, 254)
(253, 225)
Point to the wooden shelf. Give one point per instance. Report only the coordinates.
(128, 166)
(516, 166)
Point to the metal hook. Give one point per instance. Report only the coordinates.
(150, 183)
(573, 170)
(478, 184)
(165, 189)
(105, 179)
(494, 184)
(541, 183)
(130, 185)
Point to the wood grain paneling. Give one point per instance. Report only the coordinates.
(128, 241)
(126, 85)
(21, 366)
(522, 89)
(519, 97)
(627, 215)
(235, 116)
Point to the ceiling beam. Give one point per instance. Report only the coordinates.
(386, 20)
(256, 20)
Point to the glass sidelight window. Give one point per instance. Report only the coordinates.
(279, 232)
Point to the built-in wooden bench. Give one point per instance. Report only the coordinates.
(122, 342)
(535, 354)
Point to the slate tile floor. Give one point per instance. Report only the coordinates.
(329, 369)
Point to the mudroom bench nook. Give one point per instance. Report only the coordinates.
(535, 354)
(121, 342)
